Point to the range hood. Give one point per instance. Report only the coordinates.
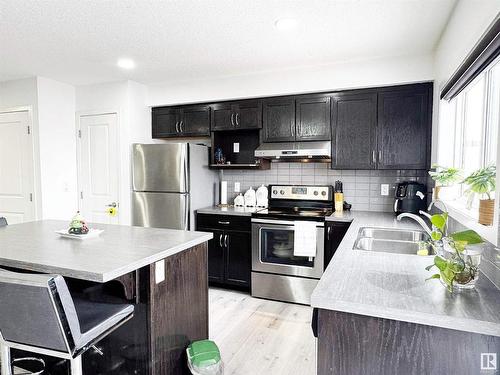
(306, 151)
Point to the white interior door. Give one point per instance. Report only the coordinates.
(16, 168)
(99, 167)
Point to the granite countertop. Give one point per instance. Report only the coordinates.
(229, 210)
(393, 286)
(117, 251)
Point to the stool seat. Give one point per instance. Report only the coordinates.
(39, 314)
(96, 318)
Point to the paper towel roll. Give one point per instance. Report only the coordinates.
(223, 192)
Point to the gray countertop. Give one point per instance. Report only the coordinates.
(117, 251)
(229, 210)
(393, 286)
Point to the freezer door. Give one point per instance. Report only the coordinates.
(160, 167)
(160, 210)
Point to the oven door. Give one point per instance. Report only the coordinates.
(272, 249)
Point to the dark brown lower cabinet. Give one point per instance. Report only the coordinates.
(238, 259)
(229, 258)
(334, 235)
(215, 256)
(230, 251)
(363, 345)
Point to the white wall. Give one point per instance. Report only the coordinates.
(354, 74)
(23, 93)
(128, 99)
(57, 139)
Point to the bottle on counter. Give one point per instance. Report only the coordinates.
(338, 196)
(250, 198)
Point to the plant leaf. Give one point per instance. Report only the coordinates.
(439, 221)
(440, 263)
(435, 276)
(436, 235)
(469, 236)
(428, 268)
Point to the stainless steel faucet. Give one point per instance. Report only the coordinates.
(433, 203)
(418, 219)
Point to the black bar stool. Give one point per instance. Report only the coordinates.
(38, 315)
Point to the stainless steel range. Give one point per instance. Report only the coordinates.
(280, 270)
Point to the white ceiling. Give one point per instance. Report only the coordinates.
(79, 42)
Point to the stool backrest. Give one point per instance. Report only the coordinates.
(37, 310)
(3, 222)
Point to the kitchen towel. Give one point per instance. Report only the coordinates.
(304, 239)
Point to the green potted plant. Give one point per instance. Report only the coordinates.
(458, 255)
(445, 178)
(482, 182)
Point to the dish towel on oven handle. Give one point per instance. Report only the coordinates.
(304, 239)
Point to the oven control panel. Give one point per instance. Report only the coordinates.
(301, 192)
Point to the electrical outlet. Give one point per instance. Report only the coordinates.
(236, 187)
(384, 189)
(236, 148)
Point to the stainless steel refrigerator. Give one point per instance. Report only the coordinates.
(170, 182)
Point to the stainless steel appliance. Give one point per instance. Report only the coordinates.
(169, 182)
(410, 196)
(310, 151)
(276, 272)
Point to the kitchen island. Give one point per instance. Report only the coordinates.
(378, 315)
(162, 272)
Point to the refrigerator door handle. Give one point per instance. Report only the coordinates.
(186, 212)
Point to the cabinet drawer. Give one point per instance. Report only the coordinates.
(223, 222)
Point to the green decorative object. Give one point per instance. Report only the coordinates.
(457, 261)
(482, 182)
(445, 176)
(78, 225)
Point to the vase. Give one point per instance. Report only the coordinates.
(486, 211)
(435, 193)
(470, 259)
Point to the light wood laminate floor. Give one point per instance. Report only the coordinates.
(260, 337)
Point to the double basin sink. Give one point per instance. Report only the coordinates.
(389, 240)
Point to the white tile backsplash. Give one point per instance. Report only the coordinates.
(361, 187)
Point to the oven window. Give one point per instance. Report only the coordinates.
(276, 246)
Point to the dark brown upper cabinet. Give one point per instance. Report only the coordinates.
(279, 120)
(184, 121)
(165, 122)
(312, 118)
(384, 128)
(244, 114)
(404, 127)
(195, 120)
(354, 126)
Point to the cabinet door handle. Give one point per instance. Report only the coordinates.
(374, 157)
(237, 119)
(224, 222)
(379, 156)
(177, 126)
(292, 131)
(232, 119)
(220, 240)
(180, 126)
(225, 241)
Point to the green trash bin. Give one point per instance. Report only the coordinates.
(204, 358)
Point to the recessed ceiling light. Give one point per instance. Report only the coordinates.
(126, 63)
(285, 24)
